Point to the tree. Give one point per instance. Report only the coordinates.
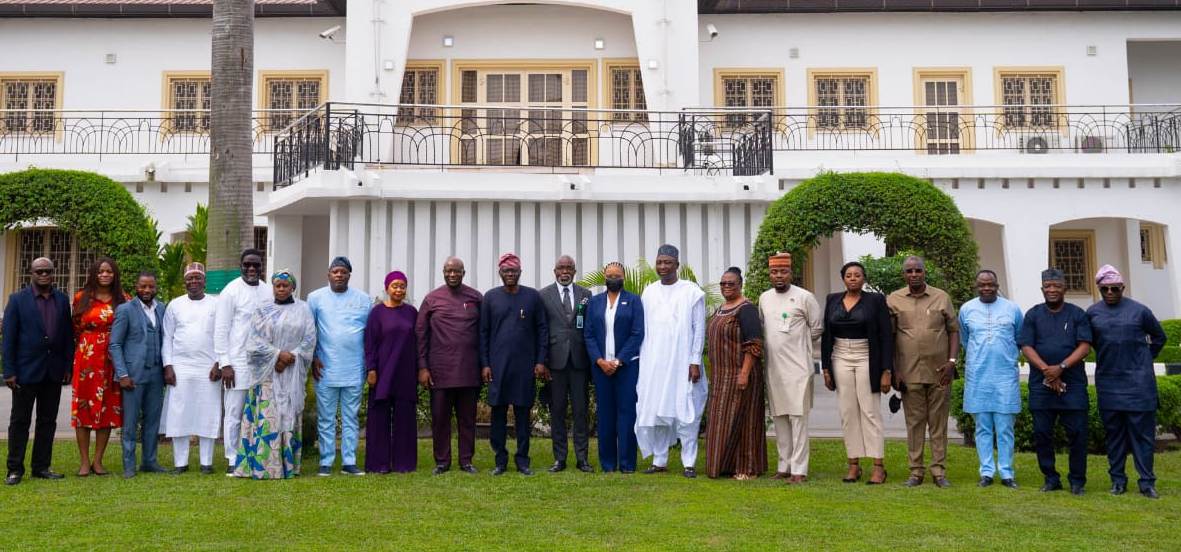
(231, 201)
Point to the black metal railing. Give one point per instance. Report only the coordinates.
(946, 130)
(101, 133)
(538, 138)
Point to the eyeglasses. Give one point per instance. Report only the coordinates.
(727, 284)
(43, 271)
(914, 271)
(1110, 289)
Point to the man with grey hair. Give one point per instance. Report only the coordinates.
(927, 347)
(565, 309)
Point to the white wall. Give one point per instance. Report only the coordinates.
(895, 43)
(1155, 71)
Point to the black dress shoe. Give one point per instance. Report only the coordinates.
(984, 482)
(690, 473)
(48, 474)
(1055, 486)
(942, 482)
(207, 470)
(524, 470)
(154, 468)
(557, 467)
(913, 481)
(585, 467)
(179, 470)
(626, 472)
(440, 469)
(1149, 492)
(1118, 488)
(1077, 490)
(1009, 483)
(499, 470)
(468, 468)
(12, 479)
(655, 469)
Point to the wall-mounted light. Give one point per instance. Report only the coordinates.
(110, 59)
(600, 44)
(1092, 50)
(388, 65)
(653, 64)
(448, 41)
(793, 53)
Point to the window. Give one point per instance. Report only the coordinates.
(842, 98)
(70, 263)
(421, 85)
(29, 102)
(188, 91)
(1152, 245)
(943, 116)
(1073, 252)
(625, 90)
(1028, 97)
(535, 114)
(260, 243)
(289, 95)
(747, 88)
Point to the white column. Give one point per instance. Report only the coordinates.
(1027, 249)
(463, 231)
(379, 250)
(375, 31)
(527, 238)
(427, 274)
(1173, 256)
(485, 249)
(358, 237)
(666, 32)
(633, 249)
(588, 254)
(285, 250)
(400, 242)
(610, 229)
(693, 252)
(442, 235)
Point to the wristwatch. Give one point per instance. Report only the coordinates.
(1062, 366)
(953, 360)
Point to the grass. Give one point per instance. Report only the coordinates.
(572, 510)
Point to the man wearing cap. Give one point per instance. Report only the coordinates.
(236, 305)
(672, 388)
(1055, 337)
(341, 313)
(514, 342)
(192, 406)
(448, 332)
(989, 325)
(792, 322)
(1127, 339)
(926, 349)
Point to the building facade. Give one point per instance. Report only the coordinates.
(399, 133)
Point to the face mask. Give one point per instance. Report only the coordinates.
(614, 284)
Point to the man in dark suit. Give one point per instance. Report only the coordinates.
(137, 338)
(38, 356)
(565, 309)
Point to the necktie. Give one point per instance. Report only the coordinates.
(566, 301)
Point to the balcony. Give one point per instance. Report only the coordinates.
(521, 138)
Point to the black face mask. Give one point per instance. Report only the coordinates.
(614, 284)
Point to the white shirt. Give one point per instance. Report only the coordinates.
(149, 310)
(235, 308)
(188, 333)
(609, 326)
(565, 291)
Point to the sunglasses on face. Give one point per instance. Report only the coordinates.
(1110, 289)
(727, 284)
(43, 271)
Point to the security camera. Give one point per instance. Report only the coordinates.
(327, 34)
(712, 30)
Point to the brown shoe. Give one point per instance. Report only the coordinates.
(878, 476)
(797, 479)
(854, 474)
(781, 475)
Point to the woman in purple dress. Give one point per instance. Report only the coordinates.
(390, 360)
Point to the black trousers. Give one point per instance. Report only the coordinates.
(1133, 432)
(45, 398)
(571, 387)
(1075, 424)
(499, 433)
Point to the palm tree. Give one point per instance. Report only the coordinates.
(636, 278)
(231, 205)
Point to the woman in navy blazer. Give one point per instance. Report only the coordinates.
(616, 368)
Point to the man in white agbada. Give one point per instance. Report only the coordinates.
(792, 321)
(192, 405)
(672, 388)
(235, 308)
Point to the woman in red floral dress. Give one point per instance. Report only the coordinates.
(98, 403)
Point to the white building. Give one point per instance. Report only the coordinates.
(601, 128)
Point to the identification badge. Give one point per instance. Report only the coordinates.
(578, 321)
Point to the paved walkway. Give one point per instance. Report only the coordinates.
(825, 420)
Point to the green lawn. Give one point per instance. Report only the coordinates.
(577, 511)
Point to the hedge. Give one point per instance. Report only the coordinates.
(96, 209)
(1168, 416)
(908, 213)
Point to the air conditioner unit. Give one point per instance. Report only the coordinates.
(1089, 144)
(1034, 144)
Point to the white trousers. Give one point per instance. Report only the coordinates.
(234, 400)
(688, 437)
(791, 437)
(860, 407)
(180, 451)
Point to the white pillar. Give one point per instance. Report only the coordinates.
(1027, 250)
(667, 34)
(285, 250)
(358, 239)
(376, 31)
(1173, 256)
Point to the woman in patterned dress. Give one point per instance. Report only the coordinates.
(735, 435)
(279, 352)
(97, 404)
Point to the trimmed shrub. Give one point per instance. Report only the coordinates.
(1171, 354)
(1168, 416)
